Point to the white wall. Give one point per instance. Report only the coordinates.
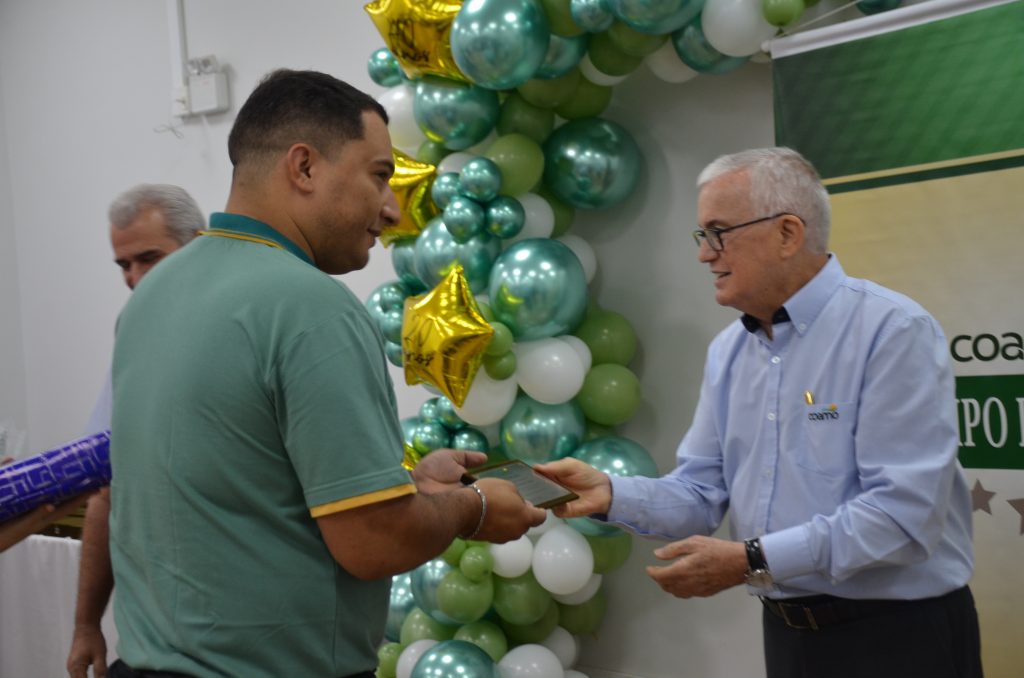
(83, 87)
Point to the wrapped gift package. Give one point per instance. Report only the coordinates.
(55, 476)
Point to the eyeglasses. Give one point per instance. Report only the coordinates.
(713, 236)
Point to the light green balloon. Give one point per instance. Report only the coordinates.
(560, 18)
(501, 340)
(431, 152)
(589, 101)
(485, 311)
(585, 618)
(518, 116)
(477, 563)
(537, 632)
(464, 599)
(520, 160)
(419, 625)
(453, 554)
(485, 635)
(520, 600)
(609, 336)
(782, 12)
(550, 93)
(609, 59)
(611, 552)
(635, 43)
(610, 394)
(500, 367)
(387, 659)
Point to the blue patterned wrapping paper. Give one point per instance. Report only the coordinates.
(55, 475)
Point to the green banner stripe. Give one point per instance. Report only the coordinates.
(927, 175)
(948, 89)
(989, 412)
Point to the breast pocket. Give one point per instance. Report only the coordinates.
(828, 430)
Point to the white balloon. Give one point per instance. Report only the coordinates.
(488, 400)
(513, 558)
(550, 521)
(583, 251)
(584, 594)
(735, 27)
(667, 66)
(581, 348)
(492, 431)
(410, 655)
(406, 135)
(548, 370)
(563, 562)
(564, 645)
(530, 661)
(597, 76)
(539, 221)
(575, 674)
(454, 162)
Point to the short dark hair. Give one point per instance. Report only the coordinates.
(289, 107)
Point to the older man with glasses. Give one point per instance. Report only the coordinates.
(827, 423)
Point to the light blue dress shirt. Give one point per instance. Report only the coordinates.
(859, 494)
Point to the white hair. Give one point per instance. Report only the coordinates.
(184, 218)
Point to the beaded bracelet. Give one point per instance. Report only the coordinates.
(483, 510)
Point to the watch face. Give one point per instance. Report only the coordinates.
(761, 579)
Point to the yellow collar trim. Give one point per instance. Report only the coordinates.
(241, 236)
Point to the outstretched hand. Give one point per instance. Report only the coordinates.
(593, 487)
(442, 470)
(21, 527)
(703, 566)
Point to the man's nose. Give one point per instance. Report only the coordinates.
(390, 212)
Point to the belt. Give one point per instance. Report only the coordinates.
(814, 613)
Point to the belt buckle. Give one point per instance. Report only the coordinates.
(808, 615)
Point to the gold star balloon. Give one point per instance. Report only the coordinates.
(411, 184)
(410, 457)
(417, 32)
(444, 337)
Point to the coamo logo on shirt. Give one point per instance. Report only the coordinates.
(830, 412)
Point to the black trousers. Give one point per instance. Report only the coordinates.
(932, 638)
(121, 670)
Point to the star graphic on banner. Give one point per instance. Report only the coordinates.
(980, 498)
(1018, 506)
(417, 33)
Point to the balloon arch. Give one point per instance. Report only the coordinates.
(494, 110)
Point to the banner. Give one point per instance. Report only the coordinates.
(915, 119)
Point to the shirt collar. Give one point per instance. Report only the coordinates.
(241, 225)
(805, 306)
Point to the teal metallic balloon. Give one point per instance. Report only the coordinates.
(401, 602)
(389, 296)
(470, 439)
(447, 415)
(394, 353)
(454, 113)
(498, 44)
(424, 581)
(696, 52)
(436, 249)
(480, 179)
(538, 289)
(563, 55)
(455, 659)
(384, 69)
(464, 218)
(430, 436)
(656, 17)
(391, 326)
(505, 217)
(537, 432)
(591, 163)
(403, 260)
(617, 456)
(593, 16)
(444, 188)
(409, 425)
(429, 411)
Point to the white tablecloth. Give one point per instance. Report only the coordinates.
(38, 587)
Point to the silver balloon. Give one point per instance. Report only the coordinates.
(424, 581)
(436, 249)
(536, 432)
(401, 602)
(498, 44)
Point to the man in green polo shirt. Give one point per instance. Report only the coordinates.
(259, 505)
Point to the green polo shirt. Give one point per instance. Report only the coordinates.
(251, 395)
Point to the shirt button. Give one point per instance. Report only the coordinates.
(803, 326)
(766, 473)
(771, 416)
(776, 360)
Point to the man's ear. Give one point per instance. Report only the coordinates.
(298, 162)
(793, 232)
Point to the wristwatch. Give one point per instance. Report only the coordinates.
(758, 574)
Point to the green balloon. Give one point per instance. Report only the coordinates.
(419, 625)
(431, 152)
(485, 311)
(520, 160)
(463, 599)
(560, 18)
(550, 93)
(611, 552)
(477, 563)
(595, 431)
(518, 116)
(537, 632)
(609, 336)
(520, 600)
(635, 43)
(610, 394)
(696, 52)
(782, 12)
(500, 367)
(501, 340)
(584, 618)
(564, 212)
(485, 635)
(589, 101)
(609, 59)
(453, 554)
(387, 659)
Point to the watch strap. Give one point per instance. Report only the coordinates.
(755, 556)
